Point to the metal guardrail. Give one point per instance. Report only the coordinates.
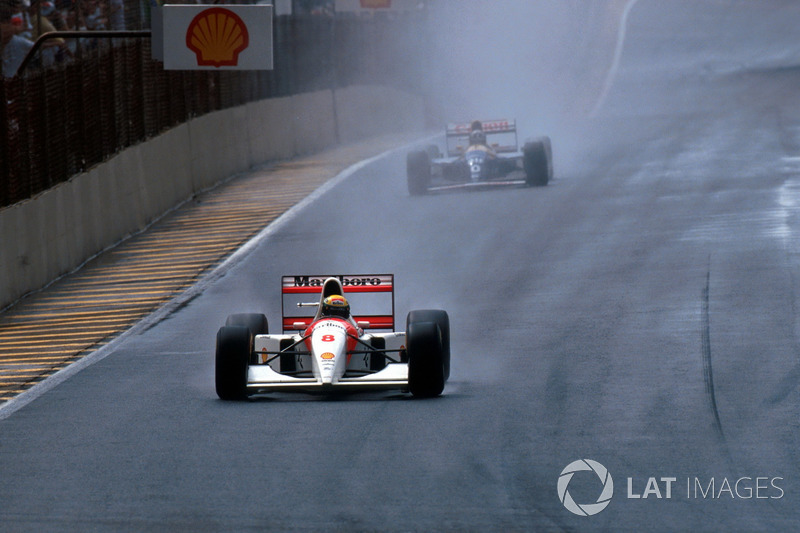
(77, 34)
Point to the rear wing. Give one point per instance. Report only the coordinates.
(371, 299)
(457, 135)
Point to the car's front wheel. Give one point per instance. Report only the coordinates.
(426, 357)
(255, 322)
(234, 347)
(442, 319)
(418, 169)
(536, 162)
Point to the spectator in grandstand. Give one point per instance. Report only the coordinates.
(94, 16)
(40, 13)
(55, 15)
(53, 50)
(14, 46)
(14, 11)
(71, 17)
(116, 14)
(314, 7)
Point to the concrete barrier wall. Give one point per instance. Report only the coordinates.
(363, 111)
(54, 233)
(313, 122)
(267, 134)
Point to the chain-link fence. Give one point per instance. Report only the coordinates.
(58, 121)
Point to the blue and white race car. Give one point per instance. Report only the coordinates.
(471, 161)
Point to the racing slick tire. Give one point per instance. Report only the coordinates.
(548, 148)
(418, 169)
(536, 157)
(441, 318)
(426, 361)
(234, 347)
(255, 322)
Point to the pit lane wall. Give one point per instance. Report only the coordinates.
(57, 231)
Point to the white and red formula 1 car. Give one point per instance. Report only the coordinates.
(330, 350)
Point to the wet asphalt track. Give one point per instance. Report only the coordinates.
(641, 312)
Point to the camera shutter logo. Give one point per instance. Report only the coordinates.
(585, 509)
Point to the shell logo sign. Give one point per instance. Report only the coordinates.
(217, 36)
(203, 37)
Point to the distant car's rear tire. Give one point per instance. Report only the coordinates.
(234, 349)
(536, 157)
(418, 169)
(441, 318)
(426, 360)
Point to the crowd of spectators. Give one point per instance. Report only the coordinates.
(22, 22)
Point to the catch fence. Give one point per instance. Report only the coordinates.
(59, 121)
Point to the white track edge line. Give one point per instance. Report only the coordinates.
(612, 71)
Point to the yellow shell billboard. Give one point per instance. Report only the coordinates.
(208, 37)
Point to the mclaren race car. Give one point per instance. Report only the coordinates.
(471, 160)
(327, 349)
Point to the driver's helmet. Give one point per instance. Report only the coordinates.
(477, 137)
(335, 305)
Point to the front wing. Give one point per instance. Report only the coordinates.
(266, 374)
(262, 378)
(445, 176)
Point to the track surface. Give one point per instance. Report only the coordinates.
(641, 312)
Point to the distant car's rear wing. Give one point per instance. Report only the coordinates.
(462, 129)
(369, 295)
(457, 135)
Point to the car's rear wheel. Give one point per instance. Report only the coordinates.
(426, 360)
(536, 162)
(234, 349)
(418, 169)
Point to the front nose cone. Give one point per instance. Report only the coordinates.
(327, 367)
(326, 374)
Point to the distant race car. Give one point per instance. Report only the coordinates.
(471, 161)
(330, 350)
